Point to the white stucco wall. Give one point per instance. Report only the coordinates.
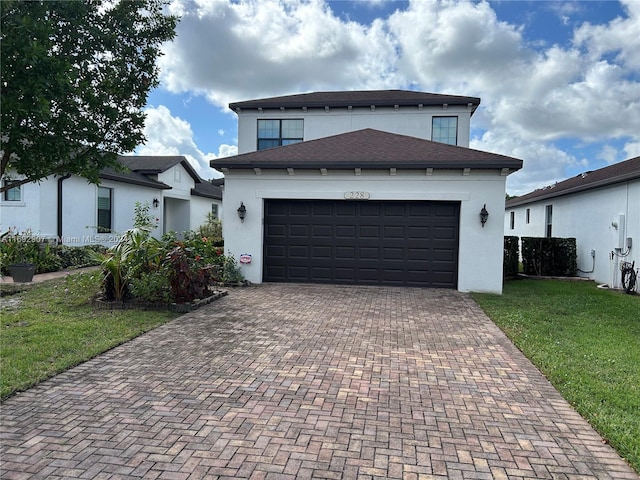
(480, 249)
(80, 210)
(318, 123)
(38, 208)
(588, 216)
(200, 208)
(29, 213)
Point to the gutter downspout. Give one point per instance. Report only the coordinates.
(60, 180)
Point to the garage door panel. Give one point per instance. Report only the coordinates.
(319, 252)
(299, 251)
(394, 209)
(276, 251)
(391, 253)
(344, 274)
(443, 255)
(370, 209)
(393, 232)
(417, 254)
(321, 274)
(276, 230)
(418, 233)
(362, 242)
(345, 252)
(345, 231)
(299, 230)
(420, 209)
(321, 210)
(369, 231)
(301, 209)
(446, 209)
(347, 209)
(325, 231)
(369, 253)
(444, 233)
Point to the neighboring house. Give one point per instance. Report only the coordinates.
(76, 212)
(600, 209)
(370, 188)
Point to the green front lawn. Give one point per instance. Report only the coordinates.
(51, 327)
(586, 341)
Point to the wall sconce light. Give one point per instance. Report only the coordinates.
(242, 211)
(484, 215)
(156, 202)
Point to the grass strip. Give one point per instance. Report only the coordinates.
(586, 341)
(51, 326)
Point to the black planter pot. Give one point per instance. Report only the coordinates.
(22, 272)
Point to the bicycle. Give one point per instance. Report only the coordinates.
(628, 276)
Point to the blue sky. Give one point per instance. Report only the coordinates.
(559, 81)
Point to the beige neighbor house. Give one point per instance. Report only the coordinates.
(367, 188)
(600, 209)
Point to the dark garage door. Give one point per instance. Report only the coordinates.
(362, 242)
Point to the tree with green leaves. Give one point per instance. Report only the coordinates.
(75, 76)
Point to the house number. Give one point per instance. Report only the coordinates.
(356, 195)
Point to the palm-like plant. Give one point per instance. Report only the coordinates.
(135, 251)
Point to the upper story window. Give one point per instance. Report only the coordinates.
(14, 194)
(274, 133)
(445, 130)
(512, 220)
(104, 209)
(548, 220)
(528, 215)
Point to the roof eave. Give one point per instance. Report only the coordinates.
(511, 166)
(133, 181)
(567, 191)
(213, 196)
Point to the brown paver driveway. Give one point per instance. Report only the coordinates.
(307, 381)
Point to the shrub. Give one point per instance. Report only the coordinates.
(25, 247)
(212, 230)
(78, 256)
(511, 256)
(151, 287)
(549, 256)
(205, 247)
(231, 272)
(123, 261)
(189, 279)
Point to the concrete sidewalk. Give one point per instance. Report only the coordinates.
(41, 277)
(308, 381)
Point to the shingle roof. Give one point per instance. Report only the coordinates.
(132, 178)
(616, 173)
(157, 164)
(208, 190)
(371, 149)
(140, 167)
(362, 98)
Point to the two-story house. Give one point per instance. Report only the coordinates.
(365, 187)
(75, 212)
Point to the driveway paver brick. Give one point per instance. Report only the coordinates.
(285, 381)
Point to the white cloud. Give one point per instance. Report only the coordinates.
(620, 37)
(543, 164)
(242, 50)
(608, 153)
(632, 150)
(586, 91)
(168, 135)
